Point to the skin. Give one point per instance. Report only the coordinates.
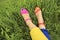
(38, 14)
(39, 17)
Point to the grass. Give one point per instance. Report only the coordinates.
(12, 25)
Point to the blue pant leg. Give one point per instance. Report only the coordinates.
(46, 33)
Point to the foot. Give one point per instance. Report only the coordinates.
(38, 14)
(27, 18)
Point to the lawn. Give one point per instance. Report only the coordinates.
(12, 25)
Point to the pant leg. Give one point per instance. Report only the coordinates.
(37, 34)
(46, 33)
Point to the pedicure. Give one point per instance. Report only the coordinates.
(37, 9)
(24, 11)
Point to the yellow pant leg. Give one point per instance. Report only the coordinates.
(36, 34)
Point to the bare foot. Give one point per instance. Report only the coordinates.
(27, 18)
(38, 14)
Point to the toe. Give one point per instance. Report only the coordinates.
(37, 9)
(24, 11)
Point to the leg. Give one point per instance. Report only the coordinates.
(35, 32)
(46, 33)
(41, 22)
(27, 18)
(38, 14)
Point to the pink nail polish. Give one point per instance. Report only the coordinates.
(24, 11)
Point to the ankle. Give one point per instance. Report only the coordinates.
(30, 25)
(42, 27)
(29, 22)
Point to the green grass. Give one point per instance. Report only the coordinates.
(12, 25)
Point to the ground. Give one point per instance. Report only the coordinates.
(12, 25)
